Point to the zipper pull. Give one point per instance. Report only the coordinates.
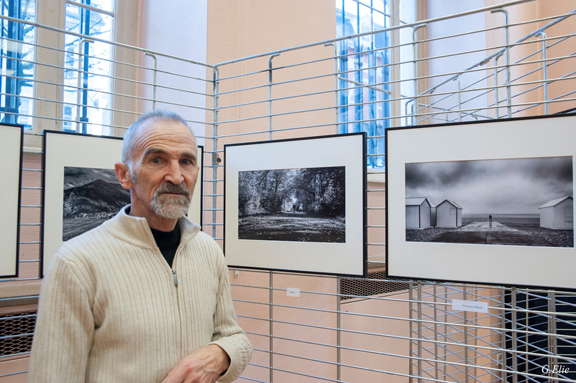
(175, 277)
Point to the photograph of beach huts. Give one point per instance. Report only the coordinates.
(518, 202)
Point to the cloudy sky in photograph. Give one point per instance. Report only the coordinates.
(517, 186)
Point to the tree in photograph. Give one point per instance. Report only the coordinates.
(275, 193)
(250, 187)
(312, 191)
(321, 191)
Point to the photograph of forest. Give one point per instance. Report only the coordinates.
(304, 205)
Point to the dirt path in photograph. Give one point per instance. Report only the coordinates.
(498, 234)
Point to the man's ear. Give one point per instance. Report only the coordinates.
(123, 175)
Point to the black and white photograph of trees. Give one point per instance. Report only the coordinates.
(304, 205)
(91, 196)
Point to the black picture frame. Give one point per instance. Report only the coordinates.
(305, 252)
(83, 151)
(567, 111)
(10, 188)
(415, 155)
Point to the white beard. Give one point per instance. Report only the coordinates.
(170, 206)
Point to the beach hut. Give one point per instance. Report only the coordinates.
(448, 214)
(558, 214)
(417, 213)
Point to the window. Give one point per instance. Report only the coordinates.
(88, 65)
(17, 63)
(363, 73)
(365, 83)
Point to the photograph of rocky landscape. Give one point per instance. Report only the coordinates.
(91, 196)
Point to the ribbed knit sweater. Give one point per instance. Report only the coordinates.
(110, 310)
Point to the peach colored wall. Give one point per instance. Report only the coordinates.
(528, 73)
(126, 32)
(385, 343)
(533, 11)
(253, 287)
(244, 28)
(567, 27)
(14, 365)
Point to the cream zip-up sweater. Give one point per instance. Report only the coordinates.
(112, 310)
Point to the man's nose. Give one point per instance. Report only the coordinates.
(174, 174)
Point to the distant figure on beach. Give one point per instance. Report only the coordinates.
(490, 220)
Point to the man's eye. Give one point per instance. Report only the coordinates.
(155, 160)
(187, 162)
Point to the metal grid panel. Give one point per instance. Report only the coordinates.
(325, 336)
(294, 93)
(16, 333)
(375, 284)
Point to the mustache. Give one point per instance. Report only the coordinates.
(174, 189)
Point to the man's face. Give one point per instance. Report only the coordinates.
(165, 168)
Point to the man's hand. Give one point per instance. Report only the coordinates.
(204, 365)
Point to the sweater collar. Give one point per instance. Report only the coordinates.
(136, 231)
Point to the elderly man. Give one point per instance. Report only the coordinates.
(145, 297)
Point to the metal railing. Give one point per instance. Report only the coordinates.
(360, 329)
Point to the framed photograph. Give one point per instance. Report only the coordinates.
(11, 156)
(483, 202)
(297, 205)
(567, 111)
(81, 190)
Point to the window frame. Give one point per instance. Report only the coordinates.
(363, 108)
(49, 54)
(11, 85)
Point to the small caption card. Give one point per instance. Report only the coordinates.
(293, 292)
(477, 307)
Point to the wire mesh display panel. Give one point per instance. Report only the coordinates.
(374, 284)
(445, 69)
(16, 333)
(409, 332)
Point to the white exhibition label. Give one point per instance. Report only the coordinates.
(293, 292)
(478, 307)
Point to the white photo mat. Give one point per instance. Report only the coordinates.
(348, 258)
(10, 155)
(62, 149)
(476, 263)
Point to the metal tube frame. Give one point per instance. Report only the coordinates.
(154, 78)
(430, 308)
